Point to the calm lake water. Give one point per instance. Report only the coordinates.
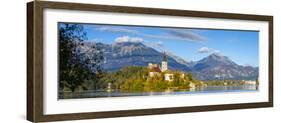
(116, 93)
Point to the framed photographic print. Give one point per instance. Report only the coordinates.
(90, 61)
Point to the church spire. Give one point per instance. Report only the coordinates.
(164, 56)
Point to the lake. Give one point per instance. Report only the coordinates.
(117, 93)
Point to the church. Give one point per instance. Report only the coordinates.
(156, 69)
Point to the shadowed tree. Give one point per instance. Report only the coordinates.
(77, 64)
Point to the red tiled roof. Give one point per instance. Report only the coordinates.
(155, 69)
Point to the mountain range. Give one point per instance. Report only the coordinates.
(213, 67)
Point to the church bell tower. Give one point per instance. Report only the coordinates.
(164, 65)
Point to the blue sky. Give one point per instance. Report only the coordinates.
(190, 44)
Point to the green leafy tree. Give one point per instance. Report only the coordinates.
(136, 79)
(75, 67)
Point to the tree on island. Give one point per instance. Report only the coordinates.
(75, 67)
(137, 79)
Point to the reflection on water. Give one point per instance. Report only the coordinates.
(117, 93)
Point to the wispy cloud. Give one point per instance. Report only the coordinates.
(183, 34)
(127, 39)
(207, 50)
(168, 34)
(116, 30)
